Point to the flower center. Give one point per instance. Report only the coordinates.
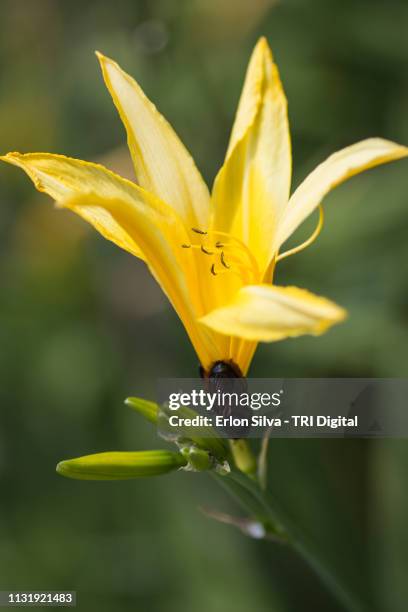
(226, 253)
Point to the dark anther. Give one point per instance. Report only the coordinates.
(198, 231)
(213, 270)
(204, 250)
(186, 246)
(224, 263)
(219, 245)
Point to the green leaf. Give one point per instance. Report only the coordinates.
(121, 466)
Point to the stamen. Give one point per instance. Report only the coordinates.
(237, 271)
(254, 263)
(307, 242)
(224, 263)
(231, 257)
(204, 250)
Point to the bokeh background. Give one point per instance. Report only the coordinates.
(83, 325)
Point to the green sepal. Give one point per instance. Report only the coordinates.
(121, 465)
(198, 459)
(149, 410)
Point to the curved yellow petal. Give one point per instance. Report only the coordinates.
(337, 168)
(269, 313)
(61, 177)
(163, 165)
(252, 188)
(138, 222)
(159, 232)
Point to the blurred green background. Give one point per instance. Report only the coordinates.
(83, 325)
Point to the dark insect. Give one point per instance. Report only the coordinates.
(225, 377)
(224, 369)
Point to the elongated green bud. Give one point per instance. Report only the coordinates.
(153, 413)
(147, 409)
(209, 439)
(217, 446)
(243, 457)
(121, 466)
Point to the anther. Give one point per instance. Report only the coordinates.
(204, 250)
(230, 249)
(224, 263)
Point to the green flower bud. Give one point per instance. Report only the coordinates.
(243, 457)
(159, 416)
(121, 466)
(147, 409)
(208, 441)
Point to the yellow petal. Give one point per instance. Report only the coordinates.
(269, 313)
(159, 232)
(163, 165)
(252, 188)
(138, 222)
(62, 177)
(337, 168)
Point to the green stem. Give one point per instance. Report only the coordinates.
(263, 509)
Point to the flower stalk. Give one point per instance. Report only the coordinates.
(278, 527)
(264, 518)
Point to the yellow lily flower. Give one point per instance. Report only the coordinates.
(213, 255)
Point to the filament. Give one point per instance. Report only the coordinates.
(254, 263)
(230, 257)
(307, 242)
